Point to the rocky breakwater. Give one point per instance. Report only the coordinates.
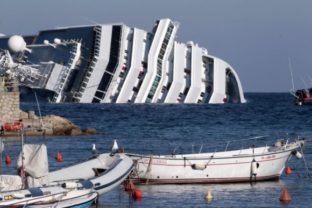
(50, 125)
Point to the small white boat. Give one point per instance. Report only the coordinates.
(52, 196)
(101, 173)
(252, 164)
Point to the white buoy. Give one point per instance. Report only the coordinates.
(254, 167)
(298, 155)
(115, 147)
(209, 196)
(94, 150)
(17, 44)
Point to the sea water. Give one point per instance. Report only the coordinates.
(164, 129)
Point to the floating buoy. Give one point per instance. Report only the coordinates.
(288, 171)
(59, 157)
(209, 196)
(94, 150)
(8, 160)
(137, 194)
(285, 196)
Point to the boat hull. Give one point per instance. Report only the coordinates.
(221, 167)
(105, 172)
(53, 196)
(79, 202)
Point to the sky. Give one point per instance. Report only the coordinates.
(259, 39)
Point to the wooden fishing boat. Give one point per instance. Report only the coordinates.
(243, 165)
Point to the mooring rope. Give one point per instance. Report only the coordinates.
(306, 166)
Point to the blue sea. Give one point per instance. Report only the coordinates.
(162, 129)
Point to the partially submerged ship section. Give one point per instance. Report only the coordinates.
(114, 63)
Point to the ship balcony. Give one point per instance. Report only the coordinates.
(97, 29)
(98, 35)
(78, 95)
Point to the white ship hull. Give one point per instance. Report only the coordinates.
(115, 63)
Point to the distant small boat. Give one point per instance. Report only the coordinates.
(244, 165)
(303, 96)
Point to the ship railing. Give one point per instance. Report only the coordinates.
(257, 138)
(65, 72)
(238, 144)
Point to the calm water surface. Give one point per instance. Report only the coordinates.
(159, 129)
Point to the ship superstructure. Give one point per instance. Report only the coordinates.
(114, 63)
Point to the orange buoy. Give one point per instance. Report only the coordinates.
(285, 196)
(59, 157)
(137, 194)
(8, 160)
(288, 171)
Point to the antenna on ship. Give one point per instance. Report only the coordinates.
(91, 21)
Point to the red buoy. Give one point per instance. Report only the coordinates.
(59, 157)
(285, 197)
(288, 171)
(8, 160)
(137, 194)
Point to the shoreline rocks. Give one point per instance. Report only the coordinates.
(50, 125)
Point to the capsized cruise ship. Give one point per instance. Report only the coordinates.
(115, 63)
